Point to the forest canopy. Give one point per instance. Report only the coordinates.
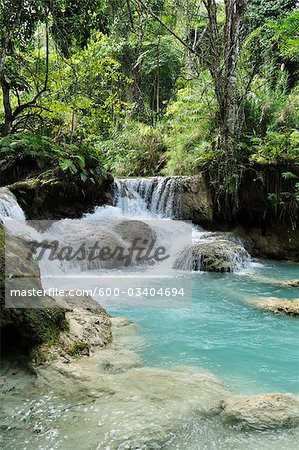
(152, 86)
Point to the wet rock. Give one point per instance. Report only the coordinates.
(262, 412)
(286, 306)
(289, 284)
(88, 326)
(119, 322)
(27, 326)
(277, 241)
(51, 327)
(55, 198)
(104, 249)
(195, 200)
(147, 405)
(213, 255)
(129, 230)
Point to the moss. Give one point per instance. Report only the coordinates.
(54, 198)
(78, 348)
(33, 326)
(41, 354)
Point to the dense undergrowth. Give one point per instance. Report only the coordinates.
(28, 155)
(117, 91)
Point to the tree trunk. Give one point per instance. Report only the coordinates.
(5, 42)
(230, 126)
(223, 67)
(7, 125)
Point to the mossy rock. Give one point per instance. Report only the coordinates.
(55, 199)
(78, 348)
(31, 326)
(68, 328)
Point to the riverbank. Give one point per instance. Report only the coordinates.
(111, 399)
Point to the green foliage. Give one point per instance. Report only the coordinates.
(271, 109)
(259, 11)
(86, 97)
(78, 348)
(123, 93)
(286, 36)
(274, 47)
(276, 148)
(138, 150)
(272, 198)
(288, 175)
(160, 64)
(189, 128)
(75, 20)
(35, 154)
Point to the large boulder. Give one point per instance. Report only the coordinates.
(50, 327)
(28, 326)
(134, 229)
(110, 251)
(213, 255)
(262, 412)
(195, 200)
(56, 199)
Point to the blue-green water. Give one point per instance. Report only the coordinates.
(251, 350)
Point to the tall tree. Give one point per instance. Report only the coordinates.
(224, 51)
(19, 19)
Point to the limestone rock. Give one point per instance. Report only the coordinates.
(76, 233)
(277, 241)
(29, 325)
(195, 199)
(289, 283)
(262, 412)
(213, 255)
(55, 198)
(134, 229)
(276, 305)
(88, 326)
(119, 322)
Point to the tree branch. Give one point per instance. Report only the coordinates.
(32, 103)
(151, 12)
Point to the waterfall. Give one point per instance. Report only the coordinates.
(160, 196)
(9, 207)
(139, 203)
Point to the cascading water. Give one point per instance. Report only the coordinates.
(160, 196)
(146, 199)
(9, 207)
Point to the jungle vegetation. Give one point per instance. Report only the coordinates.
(152, 87)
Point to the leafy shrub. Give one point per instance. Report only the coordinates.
(27, 154)
(189, 127)
(138, 150)
(277, 148)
